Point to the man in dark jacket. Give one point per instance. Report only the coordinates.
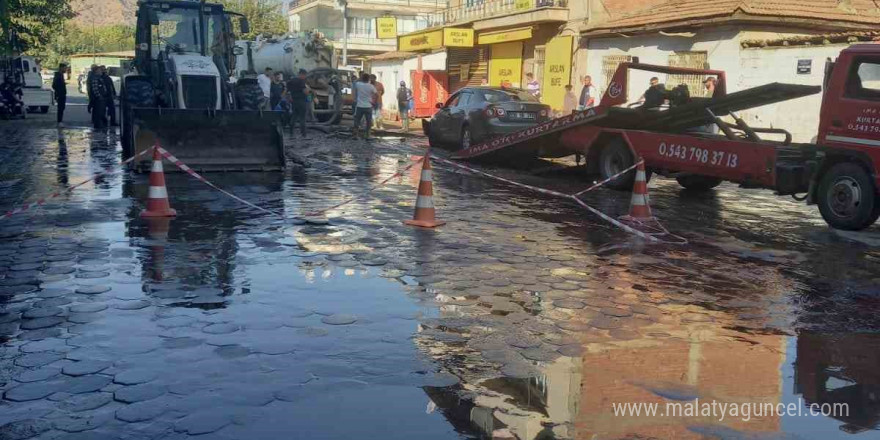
(60, 88)
(98, 99)
(111, 95)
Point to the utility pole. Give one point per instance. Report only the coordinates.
(343, 5)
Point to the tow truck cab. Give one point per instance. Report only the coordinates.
(849, 122)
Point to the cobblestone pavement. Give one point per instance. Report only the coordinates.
(525, 317)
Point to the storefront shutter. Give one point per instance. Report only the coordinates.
(467, 66)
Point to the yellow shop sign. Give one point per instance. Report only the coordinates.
(456, 37)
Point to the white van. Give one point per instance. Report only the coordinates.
(27, 69)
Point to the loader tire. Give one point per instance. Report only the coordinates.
(614, 158)
(249, 96)
(847, 198)
(696, 182)
(135, 93)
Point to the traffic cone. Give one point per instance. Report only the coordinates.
(424, 215)
(157, 229)
(157, 199)
(639, 209)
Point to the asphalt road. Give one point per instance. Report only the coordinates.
(523, 317)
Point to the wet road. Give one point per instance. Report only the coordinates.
(525, 317)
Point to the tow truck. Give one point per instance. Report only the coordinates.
(686, 138)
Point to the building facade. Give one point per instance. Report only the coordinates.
(363, 39)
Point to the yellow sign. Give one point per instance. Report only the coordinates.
(523, 5)
(557, 71)
(421, 41)
(454, 37)
(505, 65)
(504, 36)
(386, 27)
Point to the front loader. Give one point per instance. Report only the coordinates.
(179, 93)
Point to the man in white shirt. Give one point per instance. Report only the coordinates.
(364, 96)
(532, 85)
(265, 82)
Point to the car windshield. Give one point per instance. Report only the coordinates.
(493, 96)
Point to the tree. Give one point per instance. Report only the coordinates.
(264, 16)
(30, 24)
(77, 39)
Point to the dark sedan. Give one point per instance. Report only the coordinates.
(474, 114)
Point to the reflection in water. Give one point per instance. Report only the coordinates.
(841, 369)
(62, 163)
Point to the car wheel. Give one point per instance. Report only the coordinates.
(696, 182)
(466, 138)
(847, 197)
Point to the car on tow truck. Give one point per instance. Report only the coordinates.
(474, 114)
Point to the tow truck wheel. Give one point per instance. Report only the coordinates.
(614, 158)
(847, 197)
(696, 182)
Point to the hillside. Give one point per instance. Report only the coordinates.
(104, 12)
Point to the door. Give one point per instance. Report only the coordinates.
(856, 121)
(442, 127)
(459, 113)
(505, 64)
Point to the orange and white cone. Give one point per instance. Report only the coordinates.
(157, 199)
(639, 208)
(424, 215)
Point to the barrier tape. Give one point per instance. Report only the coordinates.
(107, 171)
(183, 167)
(652, 237)
(375, 187)
(598, 184)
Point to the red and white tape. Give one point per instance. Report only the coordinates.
(652, 237)
(599, 184)
(107, 171)
(365, 193)
(183, 167)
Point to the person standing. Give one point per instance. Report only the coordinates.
(403, 94)
(364, 97)
(111, 95)
(276, 90)
(377, 104)
(97, 99)
(265, 81)
(60, 89)
(532, 85)
(588, 94)
(298, 91)
(569, 101)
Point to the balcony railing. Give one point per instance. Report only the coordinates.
(436, 4)
(477, 9)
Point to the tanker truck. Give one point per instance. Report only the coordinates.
(288, 54)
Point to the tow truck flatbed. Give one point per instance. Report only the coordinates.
(690, 142)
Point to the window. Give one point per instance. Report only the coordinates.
(25, 66)
(295, 23)
(453, 100)
(609, 66)
(538, 70)
(864, 80)
(465, 99)
(361, 27)
(407, 24)
(493, 96)
(692, 60)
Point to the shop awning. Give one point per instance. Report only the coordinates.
(505, 36)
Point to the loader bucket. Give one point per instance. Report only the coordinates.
(210, 140)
